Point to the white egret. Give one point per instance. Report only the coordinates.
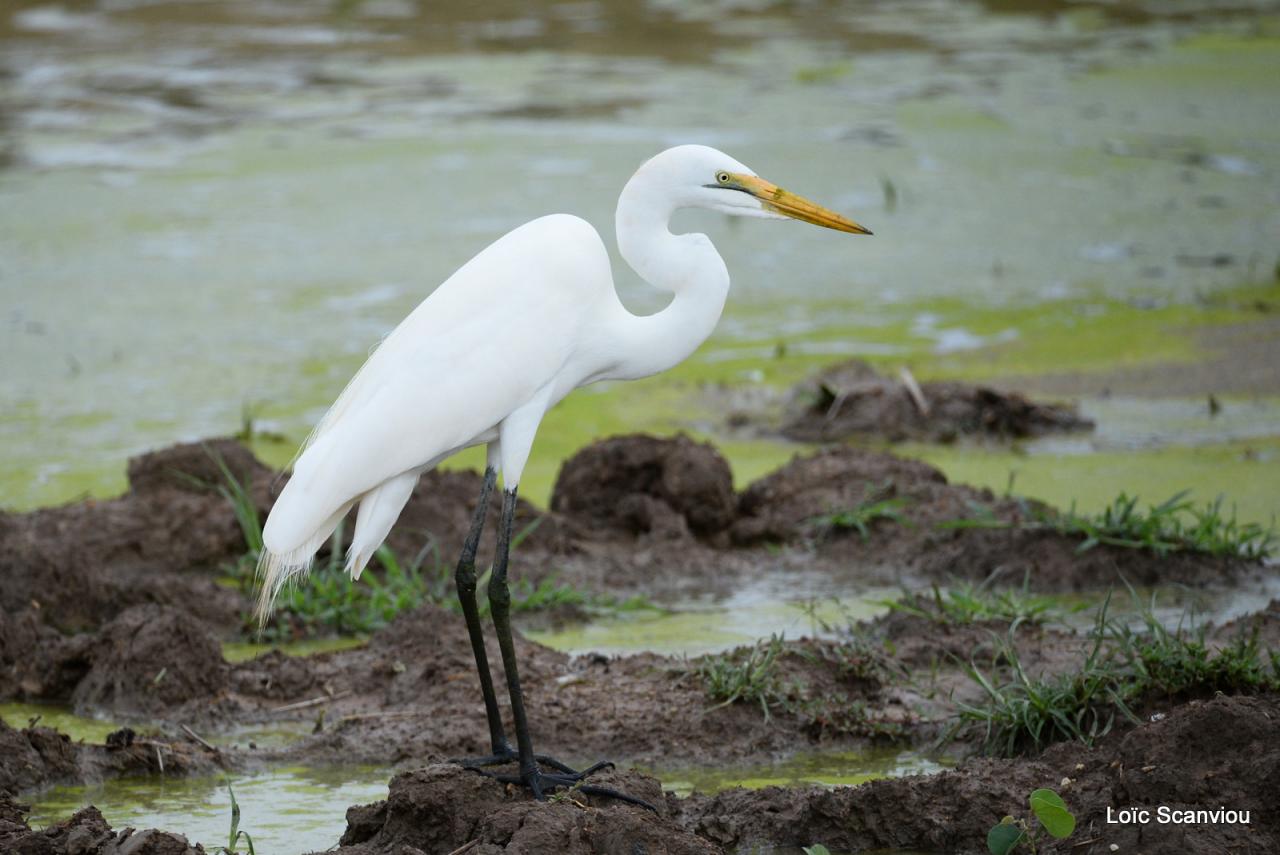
(486, 355)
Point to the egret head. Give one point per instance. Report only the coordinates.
(697, 176)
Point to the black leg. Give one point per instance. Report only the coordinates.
(465, 579)
(500, 609)
(530, 775)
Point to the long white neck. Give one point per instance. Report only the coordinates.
(686, 265)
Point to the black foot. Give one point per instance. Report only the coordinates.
(543, 784)
(506, 754)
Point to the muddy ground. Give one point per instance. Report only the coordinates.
(83, 833)
(1174, 762)
(629, 515)
(112, 608)
(851, 399)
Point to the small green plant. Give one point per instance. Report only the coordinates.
(245, 511)
(331, 602)
(862, 517)
(1180, 662)
(1024, 714)
(1051, 815)
(1125, 668)
(967, 603)
(249, 429)
(815, 849)
(234, 835)
(750, 676)
(857, 657)
(1174, 525)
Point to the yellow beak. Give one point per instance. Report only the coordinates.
(789, 204)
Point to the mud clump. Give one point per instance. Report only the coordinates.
(34, 757)
(851, 399)
(84, 563)
(36, 661)
(84, 833)
(787, 504)
(195, 467)
(647, 486)
(149, 661)
(442, 808)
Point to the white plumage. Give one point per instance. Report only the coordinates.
(529, 319)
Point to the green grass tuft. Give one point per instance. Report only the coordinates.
(1124, 669)
(753, 675)
(749, 675)
(1024, 714)
(1174, 525)
(966, 603)
(1179, 662)
(878, 505)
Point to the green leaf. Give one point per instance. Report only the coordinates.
(1002, 838)
(235, 818)
(816, 849)
(1052, 812)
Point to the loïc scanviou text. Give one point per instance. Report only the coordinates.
(1165, 815)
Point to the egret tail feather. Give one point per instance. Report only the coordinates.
(278, 569)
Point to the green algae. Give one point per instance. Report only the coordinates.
(1089, 336)
(1247, 474)
(692, 630)
(1067, 336)
(61, 719)
(828, 768)
(243, 651)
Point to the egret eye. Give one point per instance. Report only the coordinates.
(722, 177)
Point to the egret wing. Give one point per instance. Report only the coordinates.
(487, 340)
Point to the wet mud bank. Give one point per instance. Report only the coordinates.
(130, 621)
(631, 514)
(33, 757)
(113, 606)
(84, 833)
(660, 516)
(1225, 751)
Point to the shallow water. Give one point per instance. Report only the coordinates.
(287, 810)
(302, 809)
(228, 223)
(829, 768)
(790, 605)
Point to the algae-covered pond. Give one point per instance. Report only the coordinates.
(223, 229)
(210, 213)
